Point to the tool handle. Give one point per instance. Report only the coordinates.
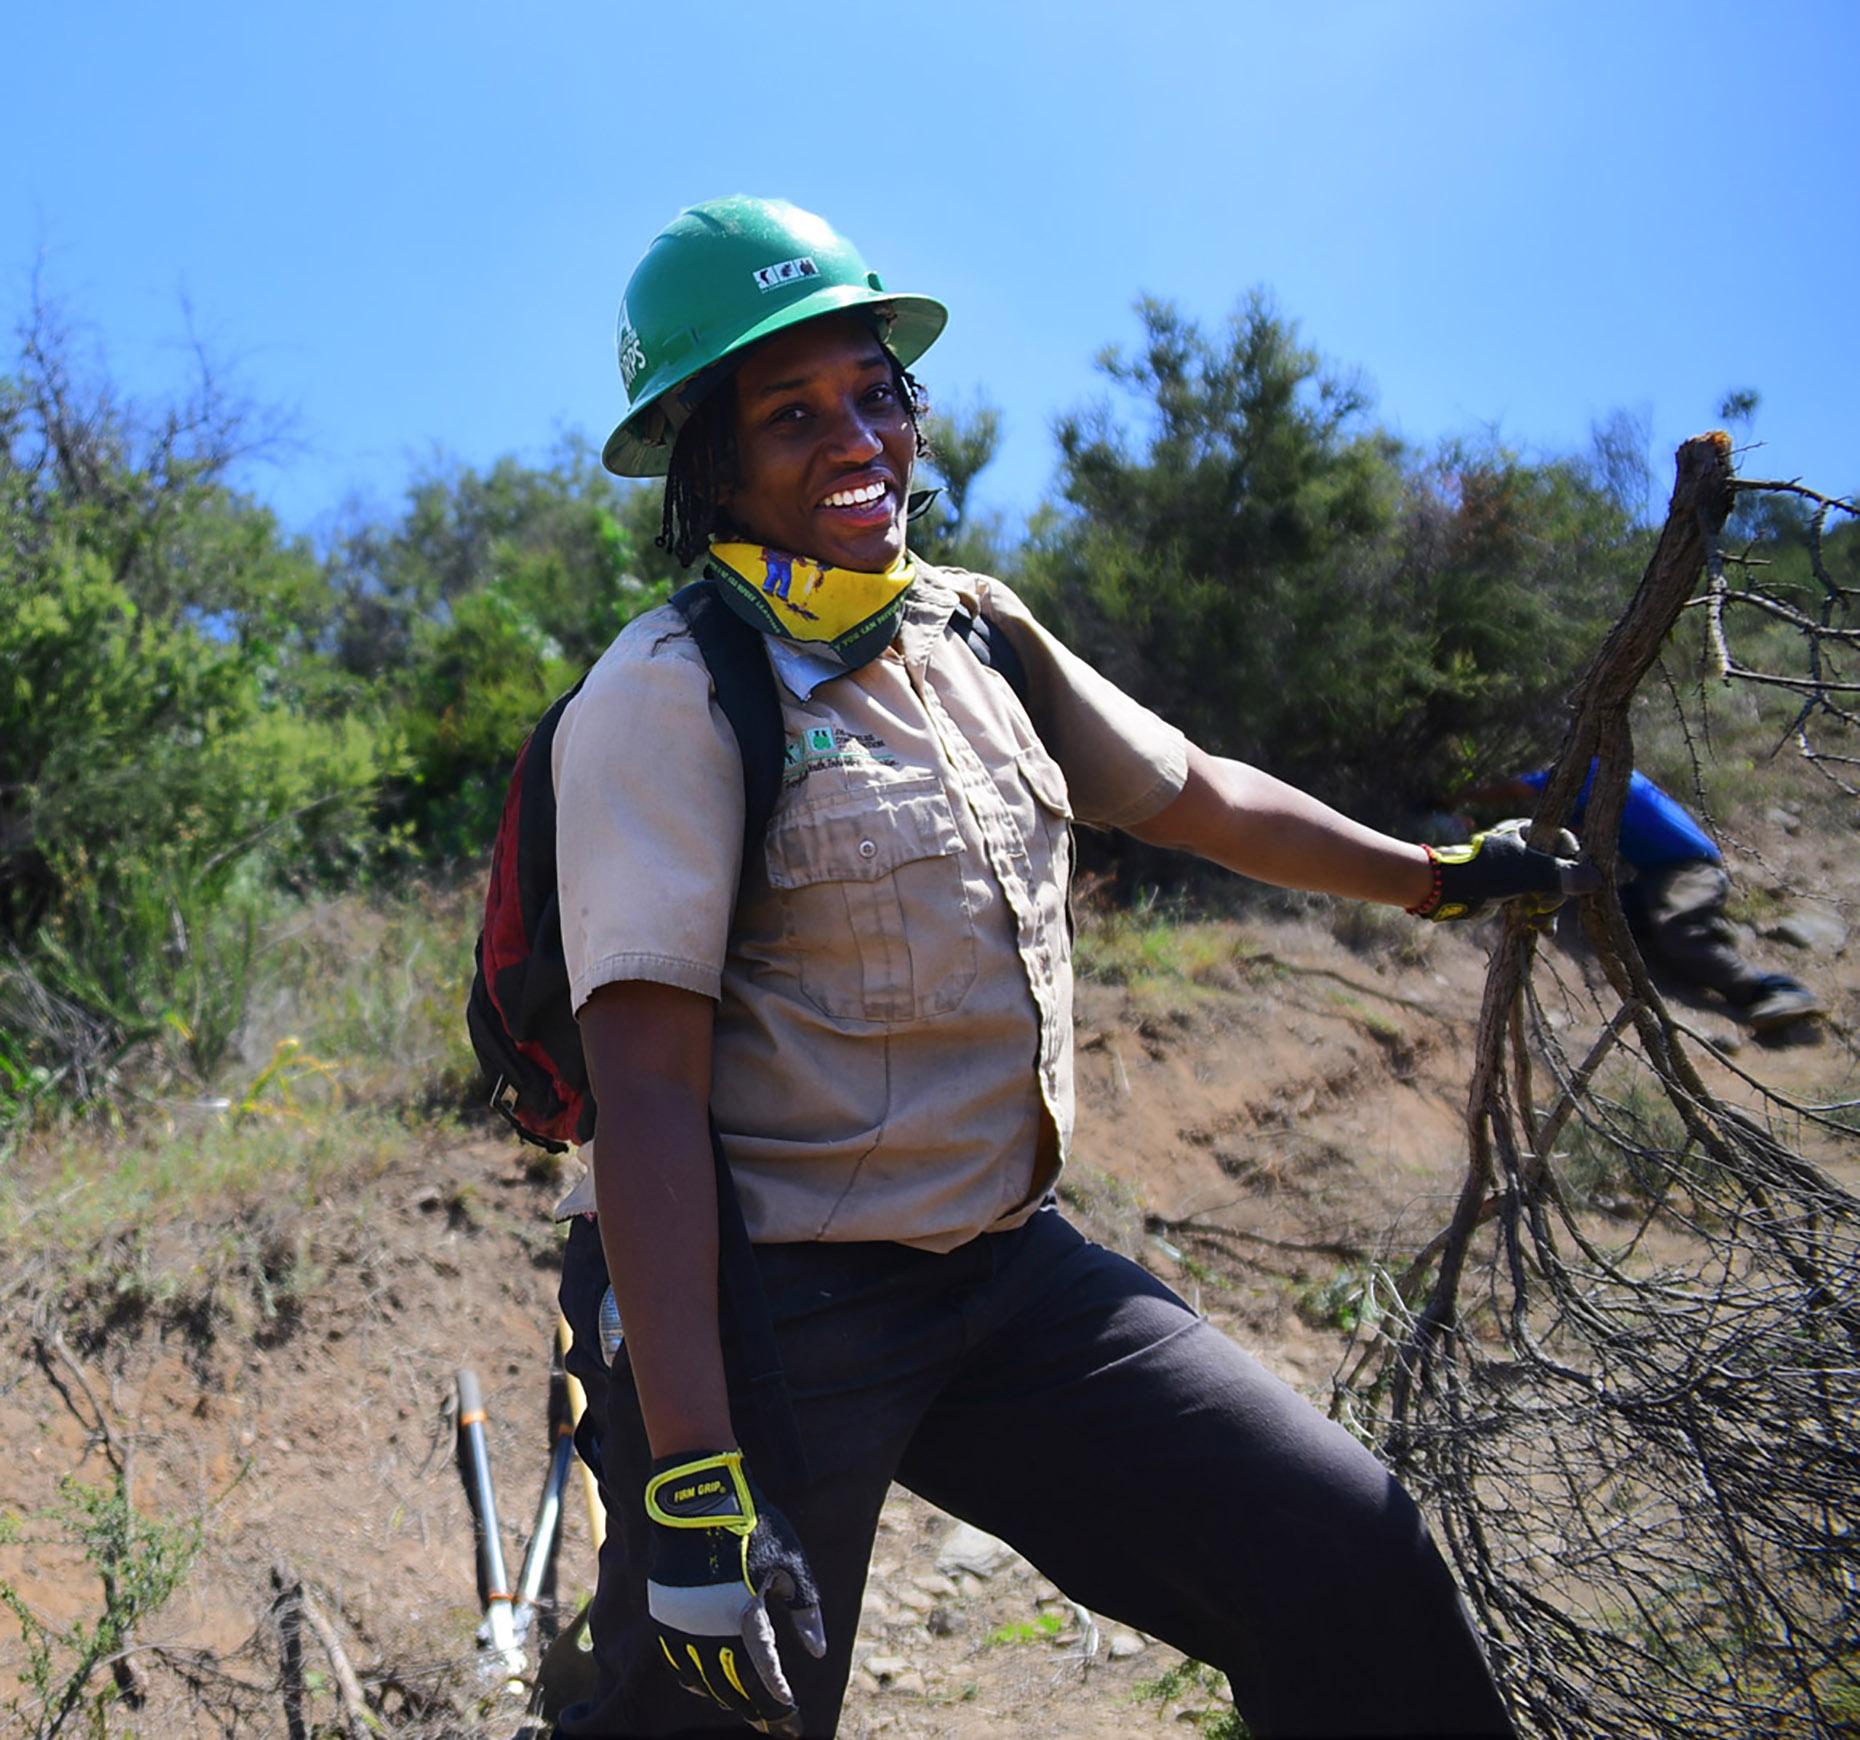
(475, 1458)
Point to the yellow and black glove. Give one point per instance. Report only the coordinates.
(1497, 865)
(719, 1557)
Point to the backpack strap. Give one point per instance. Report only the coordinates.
(990, 643)
(745, 688)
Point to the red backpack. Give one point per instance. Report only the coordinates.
(521, 1021)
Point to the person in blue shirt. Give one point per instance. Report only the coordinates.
(1674, 901)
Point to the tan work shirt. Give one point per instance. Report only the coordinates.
(893, 1049)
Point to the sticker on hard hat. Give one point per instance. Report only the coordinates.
(788, 272)
(632, 354)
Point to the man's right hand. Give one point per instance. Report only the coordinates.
(719, 1555)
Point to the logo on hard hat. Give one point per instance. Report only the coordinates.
(632, 356)
(788, 272)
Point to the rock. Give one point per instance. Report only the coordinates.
(967, 1548)
(1125, 1644)
(941, 1622)
(916, 1600)
(1787, 820)
(886, 1668)
(909, 1684)
(935, 1583)
(1818, 932)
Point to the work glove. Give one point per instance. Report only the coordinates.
(1497, 865)
(719, 1556)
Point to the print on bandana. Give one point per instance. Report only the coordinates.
(821, 747)
(779, 578)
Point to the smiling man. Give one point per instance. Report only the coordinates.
(875, 1008)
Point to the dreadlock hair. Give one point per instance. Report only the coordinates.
(704, 464)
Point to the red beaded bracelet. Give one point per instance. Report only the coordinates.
(1423, 907)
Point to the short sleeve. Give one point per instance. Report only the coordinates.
(649, 817)
(1122, 762)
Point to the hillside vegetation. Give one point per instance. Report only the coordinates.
(246, 787)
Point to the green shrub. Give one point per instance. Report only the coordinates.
(1631, 1156)
(1261, 563)
(1189, 1683)
(171, 735)
(138, 1561)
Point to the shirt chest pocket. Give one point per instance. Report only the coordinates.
(876, 919)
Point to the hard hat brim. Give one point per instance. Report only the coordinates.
(641, 445)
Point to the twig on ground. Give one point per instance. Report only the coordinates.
(1194, 1226)
(354, 1704)
(287, 1611)
(296, 1606)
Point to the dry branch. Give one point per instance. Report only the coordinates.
(348, 1687)
(293, 1608)
(1636, 1429)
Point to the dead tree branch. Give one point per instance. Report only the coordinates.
(1630, 1399)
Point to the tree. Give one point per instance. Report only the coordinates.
(551, 538)
(1186, 559)
(1507, 572)
(491, 594)
(953, 532)
(1264, 565)
(157, 645)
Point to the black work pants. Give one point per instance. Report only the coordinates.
(1062, 1398)
(1676, 912)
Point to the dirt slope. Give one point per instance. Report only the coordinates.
(1305, 1098)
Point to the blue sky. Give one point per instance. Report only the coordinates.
(409, 224)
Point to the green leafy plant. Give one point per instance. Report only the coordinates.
(1345, 1301)
(21, 1082)
(139, 1562)
(1040, 1630)
(1188, 1683)
(274, 1091)
(1242, 546)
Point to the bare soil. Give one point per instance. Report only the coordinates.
(1247, 1138)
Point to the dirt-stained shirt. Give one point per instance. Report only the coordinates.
(893, 1043)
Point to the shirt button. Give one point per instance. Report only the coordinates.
(867, 849)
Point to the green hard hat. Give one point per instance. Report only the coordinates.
(716, 279)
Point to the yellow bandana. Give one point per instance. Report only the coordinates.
(842, 611)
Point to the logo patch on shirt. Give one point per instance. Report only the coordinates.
(820, 747)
